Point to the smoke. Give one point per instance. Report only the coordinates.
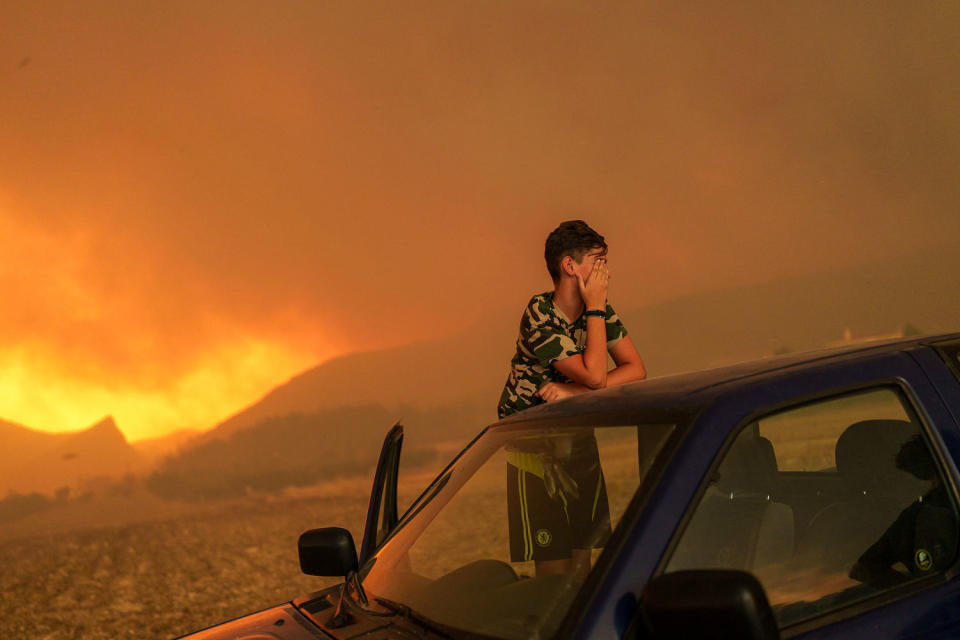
(180, 179)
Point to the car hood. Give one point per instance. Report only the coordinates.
(282, 622)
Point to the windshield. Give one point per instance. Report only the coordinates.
(501, 542)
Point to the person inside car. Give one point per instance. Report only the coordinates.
(917, 539)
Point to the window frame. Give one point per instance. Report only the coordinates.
(949, 352)
(915, 410)
(607, 563)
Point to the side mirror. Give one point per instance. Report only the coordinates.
(327, 552)
(706, 604)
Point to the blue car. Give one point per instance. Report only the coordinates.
(809, 495)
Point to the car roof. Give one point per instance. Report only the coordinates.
(691, 390)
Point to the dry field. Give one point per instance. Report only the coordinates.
(166, 577)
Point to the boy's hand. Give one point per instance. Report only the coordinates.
(594, 290)
(553, 391)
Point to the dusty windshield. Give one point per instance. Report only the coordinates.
(501, 543)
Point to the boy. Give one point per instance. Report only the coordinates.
(557, 499)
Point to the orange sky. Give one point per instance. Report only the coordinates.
(198, 200)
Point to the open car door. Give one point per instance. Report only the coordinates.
(382, 513)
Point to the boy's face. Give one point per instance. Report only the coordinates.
(585, 266)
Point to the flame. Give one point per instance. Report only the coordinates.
(81, 338)
(41, 393)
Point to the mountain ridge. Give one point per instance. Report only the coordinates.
(694, 331)
(75, 460)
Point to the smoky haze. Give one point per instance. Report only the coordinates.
(198, 201)
(289, 224)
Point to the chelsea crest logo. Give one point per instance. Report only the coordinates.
(544, 537)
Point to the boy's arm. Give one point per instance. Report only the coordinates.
(629, 368)
(629, 364)
(589, 369)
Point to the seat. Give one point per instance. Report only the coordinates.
(739, 524)
(874, 490)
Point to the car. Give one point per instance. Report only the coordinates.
(806, 495)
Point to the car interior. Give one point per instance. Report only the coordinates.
(802, 532)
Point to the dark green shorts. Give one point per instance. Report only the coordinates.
(548, 528)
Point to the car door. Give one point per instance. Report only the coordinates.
(382, 511)
(832, 486)
(941, 362)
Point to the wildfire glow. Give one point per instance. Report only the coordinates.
(40, 394)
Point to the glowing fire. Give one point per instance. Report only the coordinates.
(41, 394)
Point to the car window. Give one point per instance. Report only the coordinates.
(503, 547)
(822, 424)
(825, 516)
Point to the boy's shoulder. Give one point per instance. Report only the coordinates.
(540, 310)
(541, 304)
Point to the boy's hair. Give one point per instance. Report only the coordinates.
(572, 238)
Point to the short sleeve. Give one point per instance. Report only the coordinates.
(543, 336)
(550, 345)
(615, 329)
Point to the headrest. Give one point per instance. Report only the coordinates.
(750, 466)
(867, 451)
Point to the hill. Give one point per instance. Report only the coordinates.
(19, 442)
(799, 313)
(46, 462)
(465, 370)
(153, 449)
(294, 450)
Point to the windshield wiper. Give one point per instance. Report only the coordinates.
(417, 618)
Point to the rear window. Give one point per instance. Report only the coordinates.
(805, 438)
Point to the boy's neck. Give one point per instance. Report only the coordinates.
(566, 295)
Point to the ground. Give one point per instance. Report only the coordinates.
(167, 577)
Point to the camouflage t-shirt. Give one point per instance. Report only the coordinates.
(547, 335)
